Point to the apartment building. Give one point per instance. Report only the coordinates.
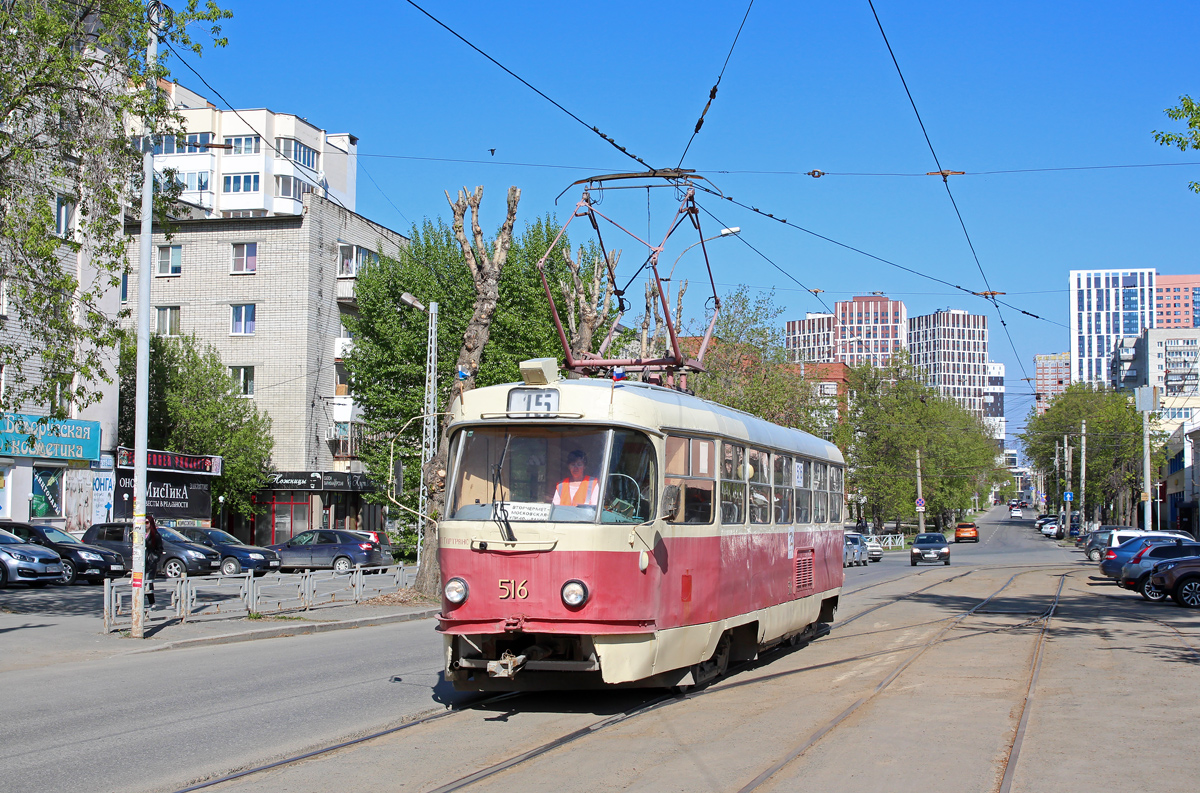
(270, 293)
(1052, 376)
(1105, 305)
(1168, 359)
(1177, 301)
(950, 348)
(254, 162)
(993, 402)
(864, 329)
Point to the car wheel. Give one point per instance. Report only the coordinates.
(230, 566)
(1094, 555)
(947, 562)
(1187, 593)
(70, 573)
(1149, 591)
(913, 561)
(174, 568)
(342, 565)
(3, 575)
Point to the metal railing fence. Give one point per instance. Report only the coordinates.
(190, 598)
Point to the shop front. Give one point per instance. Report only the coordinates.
(178, 487)
(49, 468)
(296, 501)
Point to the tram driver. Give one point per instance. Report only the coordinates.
(578, 489)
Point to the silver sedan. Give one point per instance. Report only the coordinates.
(21, 562)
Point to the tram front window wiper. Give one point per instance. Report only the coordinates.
(499, 512)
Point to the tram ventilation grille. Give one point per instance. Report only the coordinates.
(802, 580)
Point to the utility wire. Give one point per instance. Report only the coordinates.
(528, 85)
(386, 197)
(815, 173)
(712, 94)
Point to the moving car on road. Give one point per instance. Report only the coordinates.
(236, 556)
(90, 562)
(341, 550)
(27, 563)
(874, 549)
(930, 547)
(855, 552)
(965, 532)
(1015, 512)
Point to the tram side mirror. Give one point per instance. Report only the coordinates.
(670, 502)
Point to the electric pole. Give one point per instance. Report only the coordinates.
(1082, 477)
(1065, 529)
(920, 504)
(142, 388)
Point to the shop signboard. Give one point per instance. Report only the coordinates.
(23, 435)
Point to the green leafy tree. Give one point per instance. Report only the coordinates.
(196, 407)
(73, 78)
(1187, 111)
(1114, 448)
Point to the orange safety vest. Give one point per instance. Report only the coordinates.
(581, 494)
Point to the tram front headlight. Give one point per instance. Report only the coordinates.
(574, 593)
(456, 590)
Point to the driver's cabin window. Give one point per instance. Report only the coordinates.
(691, 466)
(629, 492)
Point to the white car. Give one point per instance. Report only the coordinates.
(874, 549)
(1015, 512)
(1050, 528)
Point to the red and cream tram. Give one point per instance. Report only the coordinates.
(600, 533)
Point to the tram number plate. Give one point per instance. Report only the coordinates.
(511, 589)
(533, 400)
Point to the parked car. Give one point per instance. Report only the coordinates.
(931, 547)
(1115, 558)
(855, 550)
(874, 549)
(179, 556)
(23, 562)
(384, 541)
(318, 548)
(1180, 579)
(1135, 575)
(1050, 529)
(236, 556)
(1045, 516)
(89, 562)
(966, 531)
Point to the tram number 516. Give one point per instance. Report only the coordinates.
(511, 589)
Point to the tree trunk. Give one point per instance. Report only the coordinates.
(485, 270)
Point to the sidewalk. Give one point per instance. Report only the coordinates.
(33, 637)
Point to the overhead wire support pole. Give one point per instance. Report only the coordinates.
(142, 386)
(429, 433)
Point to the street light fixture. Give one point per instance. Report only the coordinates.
(729, 232)
(221, 501)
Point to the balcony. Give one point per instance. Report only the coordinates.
(345, 289)
(342, 347)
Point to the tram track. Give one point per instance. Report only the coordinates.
(660, 701)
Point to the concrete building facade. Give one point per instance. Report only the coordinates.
(1052, 375)
(950, 348)
(993, 402)
(864, 329)
(1177, 301)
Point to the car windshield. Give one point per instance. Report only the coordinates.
(172, 535)
(54, 535)
(929, 538)
(10, 539)
(552, 473)
(216, 535)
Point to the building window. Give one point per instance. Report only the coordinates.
(170, 260)
(197, 142)
(292, 187)
(242, 320)
(241, 183)
(64, 216)
(244, 145)
(351, 258)
(193, 181)
(297, 152)
(244, 213)
(124, 288)
(244, 375)
(245, 257)
(167, 321)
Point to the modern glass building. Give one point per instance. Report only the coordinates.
(1105, 305)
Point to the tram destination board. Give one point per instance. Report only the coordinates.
(533, 401)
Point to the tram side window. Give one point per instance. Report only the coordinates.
(783, 489)
(820, 506)
(733, 484)
(835, 494)
(820, 476)
(691, 465)
(802, 471)
(629, 493)
(758, 471)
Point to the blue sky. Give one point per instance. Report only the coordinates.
(810, 85)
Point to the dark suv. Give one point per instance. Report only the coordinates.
(1180, 579)
(89, 562)
(179, 555)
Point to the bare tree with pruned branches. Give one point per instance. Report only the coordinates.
(588, 296)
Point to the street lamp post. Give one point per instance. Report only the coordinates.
(429, 427)
(729, 232)
(221, 501)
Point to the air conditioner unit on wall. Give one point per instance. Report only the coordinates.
(331, 433)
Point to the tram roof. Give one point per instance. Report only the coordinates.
(677, 410)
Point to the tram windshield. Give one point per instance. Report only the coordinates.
(556, 474)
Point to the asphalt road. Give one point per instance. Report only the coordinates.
(156, 721)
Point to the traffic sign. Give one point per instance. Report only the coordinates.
(920, 509)
(920, 503)
(1068, 496)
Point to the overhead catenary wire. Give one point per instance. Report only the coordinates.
(531, 87)
(712, 94)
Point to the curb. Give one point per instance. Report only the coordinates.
(291, 630)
